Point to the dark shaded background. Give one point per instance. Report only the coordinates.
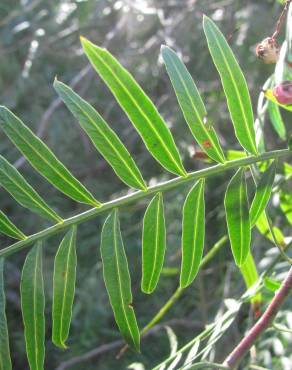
(40, 40)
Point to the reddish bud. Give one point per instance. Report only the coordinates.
(283, 92)
(200, 155)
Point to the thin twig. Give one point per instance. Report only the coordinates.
(281, 20)
(236, 356)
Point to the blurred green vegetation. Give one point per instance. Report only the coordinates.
(39, 39)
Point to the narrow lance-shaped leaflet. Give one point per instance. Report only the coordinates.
(192, 105)
(234, 85)
(8, 228)
(43, 159)
(193, 233)
(33, 306)
(117, 280)
(237, 217)
(64, 281)
(139, 108)
(263, 193)
(102, 136)
(5, 360)
(23, 193)
(153, 244)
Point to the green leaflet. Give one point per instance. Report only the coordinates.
(5, 360)
(153, 244)
(139, 108)
(102, 136)
(272, 284)
(193, 233)
(8, 228)
(117, 280)
(276, 119)
(263, 227)
(234, 85)
(250, 276)
(237, 217)
(263, 193)
(33, 305)
(286, 204)
(64, 288)
(192, 105)
(22, 192)
(43, 159)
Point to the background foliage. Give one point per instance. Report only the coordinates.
(39, 40)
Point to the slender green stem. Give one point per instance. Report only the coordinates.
(163, 310)
(131, 198)
(283, 254)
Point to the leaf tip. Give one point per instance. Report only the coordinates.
(164, 48)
